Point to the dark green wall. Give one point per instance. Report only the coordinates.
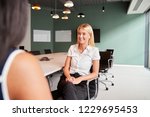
(124, 33)
(41, 20)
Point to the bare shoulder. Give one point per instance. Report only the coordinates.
(26, 66)
(24, 72)
(25, 58)
(26, 63)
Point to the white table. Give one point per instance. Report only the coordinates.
(55, 63)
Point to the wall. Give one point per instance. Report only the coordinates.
(27, 39)
(41, 20)
(148, 57)
(124, 33)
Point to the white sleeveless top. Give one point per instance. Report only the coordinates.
(3, 77)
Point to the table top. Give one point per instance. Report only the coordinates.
(55, 63)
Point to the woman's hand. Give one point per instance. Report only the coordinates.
(70, 79)
(77, 80)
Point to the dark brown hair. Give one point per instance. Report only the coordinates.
(13, 22)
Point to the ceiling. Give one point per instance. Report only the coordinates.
(136, 6)
(77, 3)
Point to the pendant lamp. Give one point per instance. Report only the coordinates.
(36, 7)
(55, 16)
(68, 4)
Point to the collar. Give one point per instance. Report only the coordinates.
(87, 48)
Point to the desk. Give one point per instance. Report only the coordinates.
(55, 63)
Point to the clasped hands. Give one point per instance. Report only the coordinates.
(74, 80)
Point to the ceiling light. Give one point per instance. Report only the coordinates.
(103, 9)
(66, 11)
(80, 15)
(52, 13)
(36, 7)
(55, 16)
(64, 17)
(68, 4)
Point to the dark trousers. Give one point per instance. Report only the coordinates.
(69, 91)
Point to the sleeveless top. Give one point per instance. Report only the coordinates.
(4, 69)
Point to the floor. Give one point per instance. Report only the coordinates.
(130, 83)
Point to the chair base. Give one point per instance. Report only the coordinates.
(106, 80)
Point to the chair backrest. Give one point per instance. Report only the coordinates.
(35, 52)
(112, 55)
(47, 51)
(110, 50)
(21, 47)
(105, 60)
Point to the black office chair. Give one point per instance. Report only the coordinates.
(35, 52)
(105, 65)
(111, 61)
(92, 89)
(47, 51)
(111, 51)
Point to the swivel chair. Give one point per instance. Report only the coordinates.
(105, 65)
(92, 87)
(35, 52)
(47, 51)
(110, 50)
(92, 90)
(111, 61)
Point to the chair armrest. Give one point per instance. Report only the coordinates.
(110, 63)
(96, 88)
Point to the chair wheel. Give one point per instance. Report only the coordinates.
(112, 84)
(106, 88)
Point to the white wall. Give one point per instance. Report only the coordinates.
(149, 40)
(27, 40)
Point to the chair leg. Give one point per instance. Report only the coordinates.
(105, 80)
(112, 76)
(104, 84)
(107, 75)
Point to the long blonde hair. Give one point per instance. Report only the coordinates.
(89, 29)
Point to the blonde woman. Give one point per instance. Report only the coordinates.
(80, 58)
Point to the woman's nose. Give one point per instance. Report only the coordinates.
(81, 35)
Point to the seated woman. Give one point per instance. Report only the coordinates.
(80, 58)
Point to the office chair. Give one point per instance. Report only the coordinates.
(111, 61)
(92, 90)
(47, 51)
(21, 47)
(92, 87)
(35, 52)
(105, 65)
(110, 50)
